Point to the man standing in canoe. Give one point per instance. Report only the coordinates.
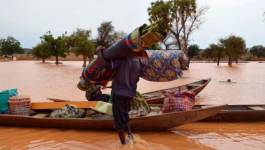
(124, 84)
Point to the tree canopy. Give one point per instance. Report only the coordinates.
(42, 51)
(10, 46)
(57, 45)
(193, 50)
(234, 47)
(180, 18)
(159, 13)
(80, 43)
(258, 51)
(231, 47)
(106, 34)
(218, 52)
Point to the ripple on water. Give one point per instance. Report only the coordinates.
(227, 136)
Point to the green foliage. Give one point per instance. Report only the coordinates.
(193, 50)
(57, 46)
(10, 46)
(159, 13)
(217, 52)
(155, 46)
(81, 44)
(258, 51)
(183, 8)
(41, 51)
(234, 47)
(139, 104)
(207, 53)
(105, 34)
(178, 18)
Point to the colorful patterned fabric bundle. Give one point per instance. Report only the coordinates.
(163, 65)
(97, 73)
(176, 101)
(136, 41)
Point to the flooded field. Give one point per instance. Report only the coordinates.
(41, 81)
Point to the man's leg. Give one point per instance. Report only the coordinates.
(126, 114)
(122, 136)
(118, 116)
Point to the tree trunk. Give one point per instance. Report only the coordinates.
(84, 61)
(188, 65)
(56, 60)
(229, 61)
(218, 61)
(43, 60)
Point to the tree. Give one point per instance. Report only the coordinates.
(217, 52)
(193, 50)
(81, 44)
(258, 51)
(10, 46)
(159, 16)
(41, 51)
(118, 35)
(105, 34)
(57, 46)
(234, 47)
(180, 17)
(207, 53)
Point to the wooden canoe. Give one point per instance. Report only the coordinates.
(156, 122)
(156, 97)
(238, 113)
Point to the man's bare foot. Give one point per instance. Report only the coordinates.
(130, 139)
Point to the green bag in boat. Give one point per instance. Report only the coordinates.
(4, 97)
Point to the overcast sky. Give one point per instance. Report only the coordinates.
(27, 20)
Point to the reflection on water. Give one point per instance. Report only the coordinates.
(48, 80)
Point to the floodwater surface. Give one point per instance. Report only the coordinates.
(42, 81)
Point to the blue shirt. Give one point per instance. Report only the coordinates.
(126, 77)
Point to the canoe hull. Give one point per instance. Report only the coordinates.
(149, 123)
(195, 87)
(239, 113)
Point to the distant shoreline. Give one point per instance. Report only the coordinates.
(72, 57)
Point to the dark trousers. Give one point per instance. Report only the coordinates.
(120, 108)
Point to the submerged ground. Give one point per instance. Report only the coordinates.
(40, 81)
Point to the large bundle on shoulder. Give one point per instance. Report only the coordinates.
(98, 72)
(161, 65)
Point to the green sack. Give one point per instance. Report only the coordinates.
(4, 97)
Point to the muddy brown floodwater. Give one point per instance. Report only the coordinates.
(40, 81)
